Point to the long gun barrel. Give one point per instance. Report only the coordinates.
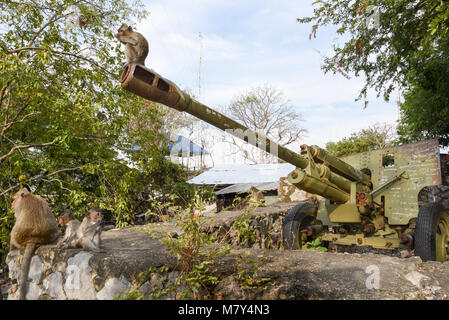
(148, 84)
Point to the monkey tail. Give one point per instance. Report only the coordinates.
(25, 268)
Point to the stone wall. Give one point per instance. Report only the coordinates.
(81, 275)
(265, 223)
(290, 274)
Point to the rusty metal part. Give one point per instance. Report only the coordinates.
(342, 230)
(407, 239)
(361, 198)
(308, 230)
(369, 228)
(312, 229)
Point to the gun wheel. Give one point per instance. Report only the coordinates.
(432, 233)
(300, 225)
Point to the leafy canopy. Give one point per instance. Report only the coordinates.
(378, 136)
(383, 39)
(66, 125)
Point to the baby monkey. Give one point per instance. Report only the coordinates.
(86, 235)
(72, 225)
(136, 46)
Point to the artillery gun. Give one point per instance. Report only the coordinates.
(367, 199)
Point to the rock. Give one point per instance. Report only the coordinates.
(53, 286)
(35, 270)
(405, 254)
(34, 291)
(416, 278)
(114, 288)
(146, 289)
(157, 281)
(78, 284)
(133, 254)
(229, 288)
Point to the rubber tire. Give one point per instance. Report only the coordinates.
(293, 221)
(426, 229)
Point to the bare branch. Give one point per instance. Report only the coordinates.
(267, 111)
(25, 146)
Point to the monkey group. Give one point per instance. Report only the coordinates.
(85, 234)
(36, 225)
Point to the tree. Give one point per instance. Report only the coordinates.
(64, 116)
(425, 110)
(377, 136)
(266, 111)
(384, 40)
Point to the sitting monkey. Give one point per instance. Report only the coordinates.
(72, 225)
(88, 235)
(136, 46)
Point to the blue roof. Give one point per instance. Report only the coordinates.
(184, 145)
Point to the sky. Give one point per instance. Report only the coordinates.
(249, 43)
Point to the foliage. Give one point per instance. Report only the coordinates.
(247, 274)
(378, 136)
(266, 111)
(382, 39)
(67, 126)
(425, 109)
(196, 254)
(244, 226)
(316, 245)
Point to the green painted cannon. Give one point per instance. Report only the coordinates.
(367, 199)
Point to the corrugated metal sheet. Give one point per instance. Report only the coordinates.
(242, 187)
(244, 173)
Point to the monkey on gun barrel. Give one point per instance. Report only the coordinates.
(136, 46)
(86, 235)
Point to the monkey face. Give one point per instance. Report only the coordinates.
(63, 220)
(123, 31)
(17, 196)
(13, 203)
(95, 216)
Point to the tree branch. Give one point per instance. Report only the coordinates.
(91, 61)
(39, 177)
(8, 125)
(25, 146)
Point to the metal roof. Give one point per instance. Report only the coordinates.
(242, 187)
(243, 173)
